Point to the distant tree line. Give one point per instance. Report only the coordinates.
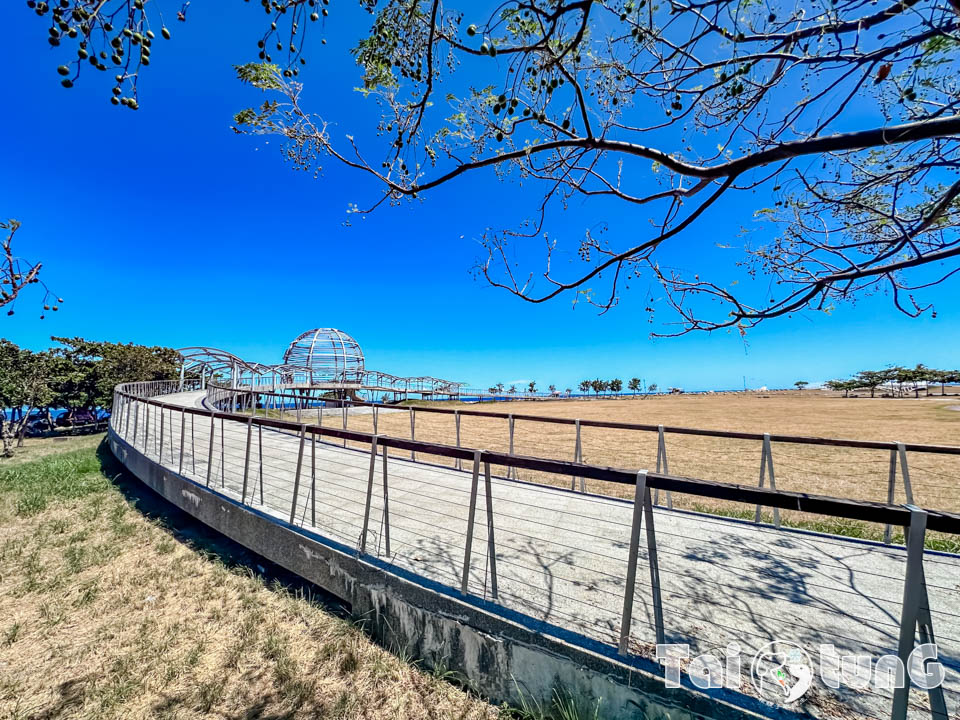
(597, 386)
(78, 374)
(900, 380)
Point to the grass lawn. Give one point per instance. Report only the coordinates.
(114, 604)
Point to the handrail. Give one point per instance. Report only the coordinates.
(889, 514)
(678, 430)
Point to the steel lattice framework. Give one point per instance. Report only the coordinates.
(324, 358)
(330, 356)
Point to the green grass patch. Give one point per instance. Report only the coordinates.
(68, 476)
(844, 527)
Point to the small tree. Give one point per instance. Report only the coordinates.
(943, 377)
(871, 380)
(27, 382)
(616, 385)
(844, 386)
(911, 377)
(634, 385)
(800, 385)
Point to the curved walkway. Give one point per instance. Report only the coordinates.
(561, 556)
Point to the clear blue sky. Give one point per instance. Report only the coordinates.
(163, 227)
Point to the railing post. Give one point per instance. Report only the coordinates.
(246, 461)
(511, 471)
(662, 467)
(313, 479)
(456, 417)
(260, 457)
(343, 405)
(193, 446)
(146, 429)
(915, 614)
(183, 437)
(296, 478)
(766, 469)
(632, 553)
(905, 473)
(386, 504)
(223, 462)
(169, 428)
(136, 418)
(366, 509)
(376, 417)
(213, 431)
(468, 545)
(413, 428)
(891, 492)
(654, 563)
(577, 455)
(491, 545)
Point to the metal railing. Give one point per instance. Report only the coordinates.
(573, 563)
(880, 471)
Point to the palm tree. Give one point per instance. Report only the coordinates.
(568, 391)
(652, 387)
(585, 386)
(552, 389)
(499, 387)
(616, 385)
(634, 385)
(597, 385)
(532, 386)
(512, 390)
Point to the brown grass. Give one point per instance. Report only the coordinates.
(106, 612)
(844, 472)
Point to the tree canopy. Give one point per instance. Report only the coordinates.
(76, 374)
(842, 114)
(100, 366)
(897, 377)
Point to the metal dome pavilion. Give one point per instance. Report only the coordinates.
(328, 354)
(321, 359)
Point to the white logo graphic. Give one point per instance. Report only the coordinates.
(781, 672)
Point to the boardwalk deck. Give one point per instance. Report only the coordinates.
(561, 556)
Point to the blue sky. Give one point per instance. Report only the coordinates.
(162, 226)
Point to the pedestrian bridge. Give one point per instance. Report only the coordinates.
(527, 589)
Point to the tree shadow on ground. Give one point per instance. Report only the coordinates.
(202, 539)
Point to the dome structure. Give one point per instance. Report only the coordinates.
(329, 355)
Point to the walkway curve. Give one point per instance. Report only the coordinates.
(561, 556)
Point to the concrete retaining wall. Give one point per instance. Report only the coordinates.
(501, 655)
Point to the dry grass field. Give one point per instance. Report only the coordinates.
(845, 472)
(112, 605)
